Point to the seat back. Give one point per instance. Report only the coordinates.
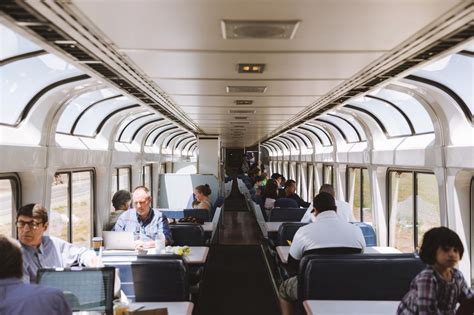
(286, 232)
(286, 203)
(286, 214)
(203, 214)
(187, 234)
(160, 280)
(368, 232)
(357, 276)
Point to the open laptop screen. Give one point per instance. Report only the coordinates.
(86, 289)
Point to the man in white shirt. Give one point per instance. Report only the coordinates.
(327, 231)
(344, 209)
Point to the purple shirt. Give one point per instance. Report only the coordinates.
(20, 298)
(431, 294)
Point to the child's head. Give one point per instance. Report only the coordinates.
(439, 238)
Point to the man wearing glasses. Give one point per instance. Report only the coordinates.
(42, 251)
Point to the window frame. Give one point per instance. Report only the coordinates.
(70, 201)
(16, 196)
(117, 174)
(414, 173)
(144, 175)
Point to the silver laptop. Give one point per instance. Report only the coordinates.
(118, 240)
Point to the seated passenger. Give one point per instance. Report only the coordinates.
(17, 297)
(270, 194)
(438, 288)
(145, 222)
(290, 192)
(121, 202)
(42, 251)
(327, 231)
(203, 194)
(344, 209)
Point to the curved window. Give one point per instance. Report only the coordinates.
(78, 105)
(350, 132)
(128, 125)
(354, 123)
(90, 119)
(393, 121)
(129, 133)
(455, 72)
(411, 107)
(20, 81)
(14, 44)
(153, 135)
(322, 135)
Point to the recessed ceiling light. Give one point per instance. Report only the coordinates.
(243, 102)
(242, 111)
(246, 89)
(250, 67)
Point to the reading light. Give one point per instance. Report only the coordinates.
(251, 67)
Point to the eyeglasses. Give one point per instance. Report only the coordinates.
(31, 224)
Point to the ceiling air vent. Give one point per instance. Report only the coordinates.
(234, 29)
(240, 117)
(246, 89)
(243, 102)
(242, 111)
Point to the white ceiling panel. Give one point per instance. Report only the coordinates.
(179, 45)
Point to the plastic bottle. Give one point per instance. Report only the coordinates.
(160, 242)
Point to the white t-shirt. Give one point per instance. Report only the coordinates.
(344, 211)
(328, 230)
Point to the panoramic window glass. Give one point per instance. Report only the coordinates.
(354, 123)
(402, 230)
(427, 204)
(411, 107)
(130, 124)
(394, 122)
(346, 128)
(455, 72)
(14, 44)
(321, 134)
(90, 120)
(81, 212)
(59, 212)
(23, 79)
(143, 122)
(7, 206)
(151, 136)
(78, 104)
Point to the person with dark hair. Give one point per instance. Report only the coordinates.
(327, 231)
(203, 201)
(143, 220)
(17, 297)
(42, 251)
(439, 287)
(270, 194)
(290, 192)
(121, 203)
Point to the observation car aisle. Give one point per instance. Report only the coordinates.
(236, 280)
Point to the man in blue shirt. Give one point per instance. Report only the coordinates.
(17, 297)
(144, 221)
(41, 251)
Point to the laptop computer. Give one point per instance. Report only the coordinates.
(85, 289)
(118, 240)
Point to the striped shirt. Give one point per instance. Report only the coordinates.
(430, 294)
(150, 227)
(53, 252)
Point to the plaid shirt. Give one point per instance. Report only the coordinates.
(431, 294)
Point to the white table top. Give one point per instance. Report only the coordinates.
(324, 307)
(197, 255)
(284, 250)
(273, 226)
(174, 308)
(208, 227)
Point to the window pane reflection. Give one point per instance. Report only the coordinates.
(401, 211)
